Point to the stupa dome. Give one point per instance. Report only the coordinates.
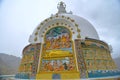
(78, 25)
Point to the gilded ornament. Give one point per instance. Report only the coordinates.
(63, 16)
(38, 28)
(72, 20)
(78, 30)
(41, 24)
(36, 33)
(78, 36)
(57, 23)
(68, 18)
(76, 25)
(50, 17)
(46, 20)
(35, 39)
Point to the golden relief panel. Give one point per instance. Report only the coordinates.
(57, 54)
(66, 64)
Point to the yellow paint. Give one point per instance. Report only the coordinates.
(58, 53)
(63, 75)
(44, 76)
(73, 75)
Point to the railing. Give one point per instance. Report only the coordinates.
(7, 77)
(12, 77)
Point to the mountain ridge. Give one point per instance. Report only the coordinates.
(117, 61)
(8, 64)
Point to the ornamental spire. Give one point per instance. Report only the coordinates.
(61, 7)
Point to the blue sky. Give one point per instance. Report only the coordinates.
(18, 19)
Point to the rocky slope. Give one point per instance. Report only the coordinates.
(8, 64)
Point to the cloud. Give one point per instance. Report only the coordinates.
(105, 16)
(18, 19)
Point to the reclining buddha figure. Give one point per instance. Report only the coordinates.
(58, 53)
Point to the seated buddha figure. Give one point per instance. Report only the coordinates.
(51, 43)
(55, 66)
(71, 65)
(63, 40)
(68, 41)
(55, 44)
(48, 44)
(58, 42)
(44, 66)
(49, 66)
(61, 66)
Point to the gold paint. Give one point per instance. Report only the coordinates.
(78, 36)
(40, 59)
(52, 24)
(63, 16)
(41, 24)
(35, 39)
(56, 15)
(50, 17)
(68, 17)
(45, 28)
(78, 30)
(72, 20)
(38, 28)
(64, 75)
(57, 23)
(46, 20)
(36, 33)
(61, 23)
(41, 35)
(76, 25)
(58, 53)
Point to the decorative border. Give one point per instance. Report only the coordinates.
(52, 18)
(73, 47)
